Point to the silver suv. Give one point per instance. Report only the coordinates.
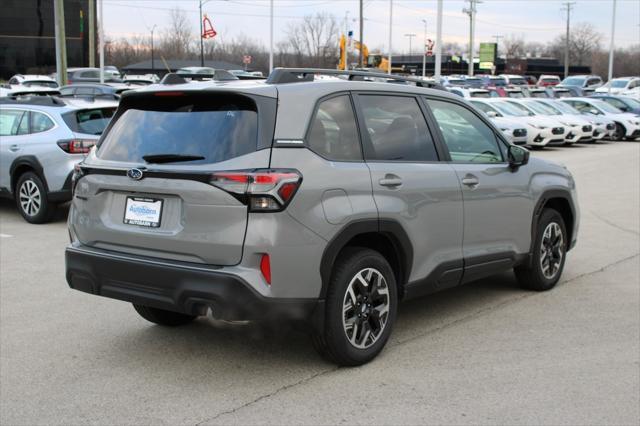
(41, 140)
(324, 201)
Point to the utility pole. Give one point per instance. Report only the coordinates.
(390, 33)
(438, 65)
(361, 59)
(61, 47)
(271, 37)
(153, 66)
(201, 41)
(411, 36)
(101, 36)
(424, 51)
(92, 33)
(567, 6)
(471, 11)
(498, 37)
(613, 30)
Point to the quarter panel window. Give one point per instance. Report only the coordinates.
(333, 133)
(397, 129)
(467, 137)
(40, 122)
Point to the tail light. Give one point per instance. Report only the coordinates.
(268, 190)
(76, 146)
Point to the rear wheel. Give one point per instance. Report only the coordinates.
(549, 254)
(162, 317)
(361, 308)
(31, 199)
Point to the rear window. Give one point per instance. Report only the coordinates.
(91, 121)
(217, 130)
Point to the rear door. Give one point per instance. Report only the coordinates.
(411, 185)
(132, 199)
(497, 200)
(14, 129)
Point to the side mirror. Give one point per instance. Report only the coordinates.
(492, 114)
(594, 111)
(518, 156)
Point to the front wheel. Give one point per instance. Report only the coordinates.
(620, 133)
(361, 306)
(549, 254)
(162, 317)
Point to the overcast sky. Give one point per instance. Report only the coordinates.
(536, 20)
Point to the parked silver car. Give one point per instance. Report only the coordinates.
(41, 140)
(325, 202)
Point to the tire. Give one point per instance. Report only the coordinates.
(31, 199)
(344, 339)
(620, 132)
(162, 317)
(535, 276)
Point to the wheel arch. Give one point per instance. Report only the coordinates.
(386, 236)
(23, 164)
(561, 201)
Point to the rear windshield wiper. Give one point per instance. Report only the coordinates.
(170, 158)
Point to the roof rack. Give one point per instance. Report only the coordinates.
(175, 78)
(29, 99)
(297, 75)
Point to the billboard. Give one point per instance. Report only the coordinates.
(488, 55)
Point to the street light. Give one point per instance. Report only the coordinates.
(411, 36)
(424, 51)
(153, 68)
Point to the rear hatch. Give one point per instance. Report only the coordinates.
(147, 189)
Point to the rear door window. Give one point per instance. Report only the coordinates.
(333, 133)
(397, 129)
(217, 129)
(10, 121)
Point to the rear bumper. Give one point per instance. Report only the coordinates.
(179, 287)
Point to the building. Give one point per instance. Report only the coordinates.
(160, 67)
(27, 37)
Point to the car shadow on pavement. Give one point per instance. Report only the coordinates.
(8, 207)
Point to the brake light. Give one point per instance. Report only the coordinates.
(265, 268)
(268, 190)
(76, 146)
(169, 93)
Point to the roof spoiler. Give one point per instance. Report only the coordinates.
(175, 78)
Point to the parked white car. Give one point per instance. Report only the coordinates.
(541, 131)
(468, 93)
(621, 86)
(580, 129)
(627, 125)
(33, 80)
(515, 132)
(602, 128)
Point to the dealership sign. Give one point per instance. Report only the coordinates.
(488, 55)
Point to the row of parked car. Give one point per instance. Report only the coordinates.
(43, 137)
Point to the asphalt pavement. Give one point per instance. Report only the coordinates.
(484, 353)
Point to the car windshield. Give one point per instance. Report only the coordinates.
(633, 103)
(473, 82)
(565, 108)
(507, 108)
(518, 81)
(541, 108)
(40, 83)
(91, 121)
(573, 81)
(184, 127)
(602, 105)
(480, 94)
(618, 84)
(498, 82)
(538, 94)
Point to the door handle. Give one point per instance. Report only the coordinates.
(390, 181)
(14, 148)
(470, 181)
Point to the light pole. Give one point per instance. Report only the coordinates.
(201, 41)
(438, 66)
(424, 51)
(390, 33)
(411, 36)
(471, 11)
(613, 30)
(153, 67)
(271, 37)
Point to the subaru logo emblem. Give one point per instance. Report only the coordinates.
(135, 174)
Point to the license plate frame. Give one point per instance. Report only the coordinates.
(145, 220)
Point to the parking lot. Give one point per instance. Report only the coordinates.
(484, 353)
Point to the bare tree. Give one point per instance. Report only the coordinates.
(314, 40)
(584, 40)
(177, 40)
(513, 46)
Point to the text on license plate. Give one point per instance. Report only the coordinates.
(143, 212)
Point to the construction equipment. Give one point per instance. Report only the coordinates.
(373, 61)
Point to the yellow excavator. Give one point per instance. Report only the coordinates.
(374, 61)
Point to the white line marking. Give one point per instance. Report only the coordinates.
(5, 236)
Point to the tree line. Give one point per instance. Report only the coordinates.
(312, 42)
